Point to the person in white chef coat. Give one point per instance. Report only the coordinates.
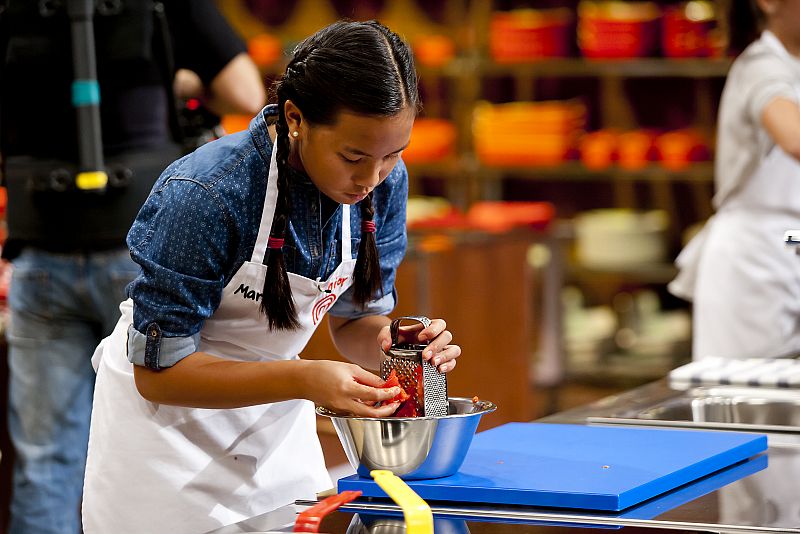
(744, 284)
(203, 412)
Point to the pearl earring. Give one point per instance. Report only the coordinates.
(295, 134)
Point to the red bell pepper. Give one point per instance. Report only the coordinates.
(413, 393)
(393, 381)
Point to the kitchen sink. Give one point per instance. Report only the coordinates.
(741, 408)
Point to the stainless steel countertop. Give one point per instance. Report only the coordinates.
(766, 501)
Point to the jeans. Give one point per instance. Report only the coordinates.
(61, 306)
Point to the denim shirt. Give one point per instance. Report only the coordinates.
(200, 223)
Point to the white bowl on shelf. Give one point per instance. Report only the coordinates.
(619, 238)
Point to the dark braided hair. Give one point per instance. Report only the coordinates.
(359, 67)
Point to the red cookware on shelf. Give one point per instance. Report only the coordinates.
(530, 34)
(432, 213)
(500, 216)
(599, 149)
(690, 30)
(636, 149)
(615, 30)
(678, 149)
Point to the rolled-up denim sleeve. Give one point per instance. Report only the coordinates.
(155, 351)
(346, 307)
(180, 239)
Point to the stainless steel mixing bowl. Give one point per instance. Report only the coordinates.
(410, 447)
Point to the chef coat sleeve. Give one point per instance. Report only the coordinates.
(767, 77)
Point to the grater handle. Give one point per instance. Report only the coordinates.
(394, 329)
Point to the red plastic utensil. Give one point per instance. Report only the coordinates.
(309, 520)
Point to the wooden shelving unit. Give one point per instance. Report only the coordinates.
(579, 67)
(453, 90)
(575, 171)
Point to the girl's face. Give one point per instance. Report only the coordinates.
(348, 159)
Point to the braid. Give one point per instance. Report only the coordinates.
(367, 275)
(277, 302)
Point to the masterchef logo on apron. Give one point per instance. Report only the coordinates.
(323, 304)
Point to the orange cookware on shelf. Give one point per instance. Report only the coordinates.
(431, 140)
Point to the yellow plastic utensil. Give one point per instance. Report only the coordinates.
(417, 513)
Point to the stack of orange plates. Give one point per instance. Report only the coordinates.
(527, 133)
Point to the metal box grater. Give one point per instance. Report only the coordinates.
(416, 374)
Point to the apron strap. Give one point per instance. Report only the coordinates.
(268, 213)
(346, 245)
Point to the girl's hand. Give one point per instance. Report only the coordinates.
(439, 350)
(348, 389)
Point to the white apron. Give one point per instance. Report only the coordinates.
(744, 284)
(155, 468)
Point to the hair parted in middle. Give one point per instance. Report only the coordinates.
(359, 67)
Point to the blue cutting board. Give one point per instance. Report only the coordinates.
(577, 466)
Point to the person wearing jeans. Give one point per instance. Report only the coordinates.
(62, 303)
(70, 260)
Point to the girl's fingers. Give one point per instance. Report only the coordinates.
(436, 327)
(438, 345)
(362, 376)
(381, 411)
(447, 366)
(364, 409)
(445, 361)
(450, 352)
(371, 395)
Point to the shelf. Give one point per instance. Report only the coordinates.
(569, 170)
(572, 170)
(655, 273)
(566, 68)
(580, 67)
(451, 168)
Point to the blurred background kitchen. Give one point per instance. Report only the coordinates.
(563, 158)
